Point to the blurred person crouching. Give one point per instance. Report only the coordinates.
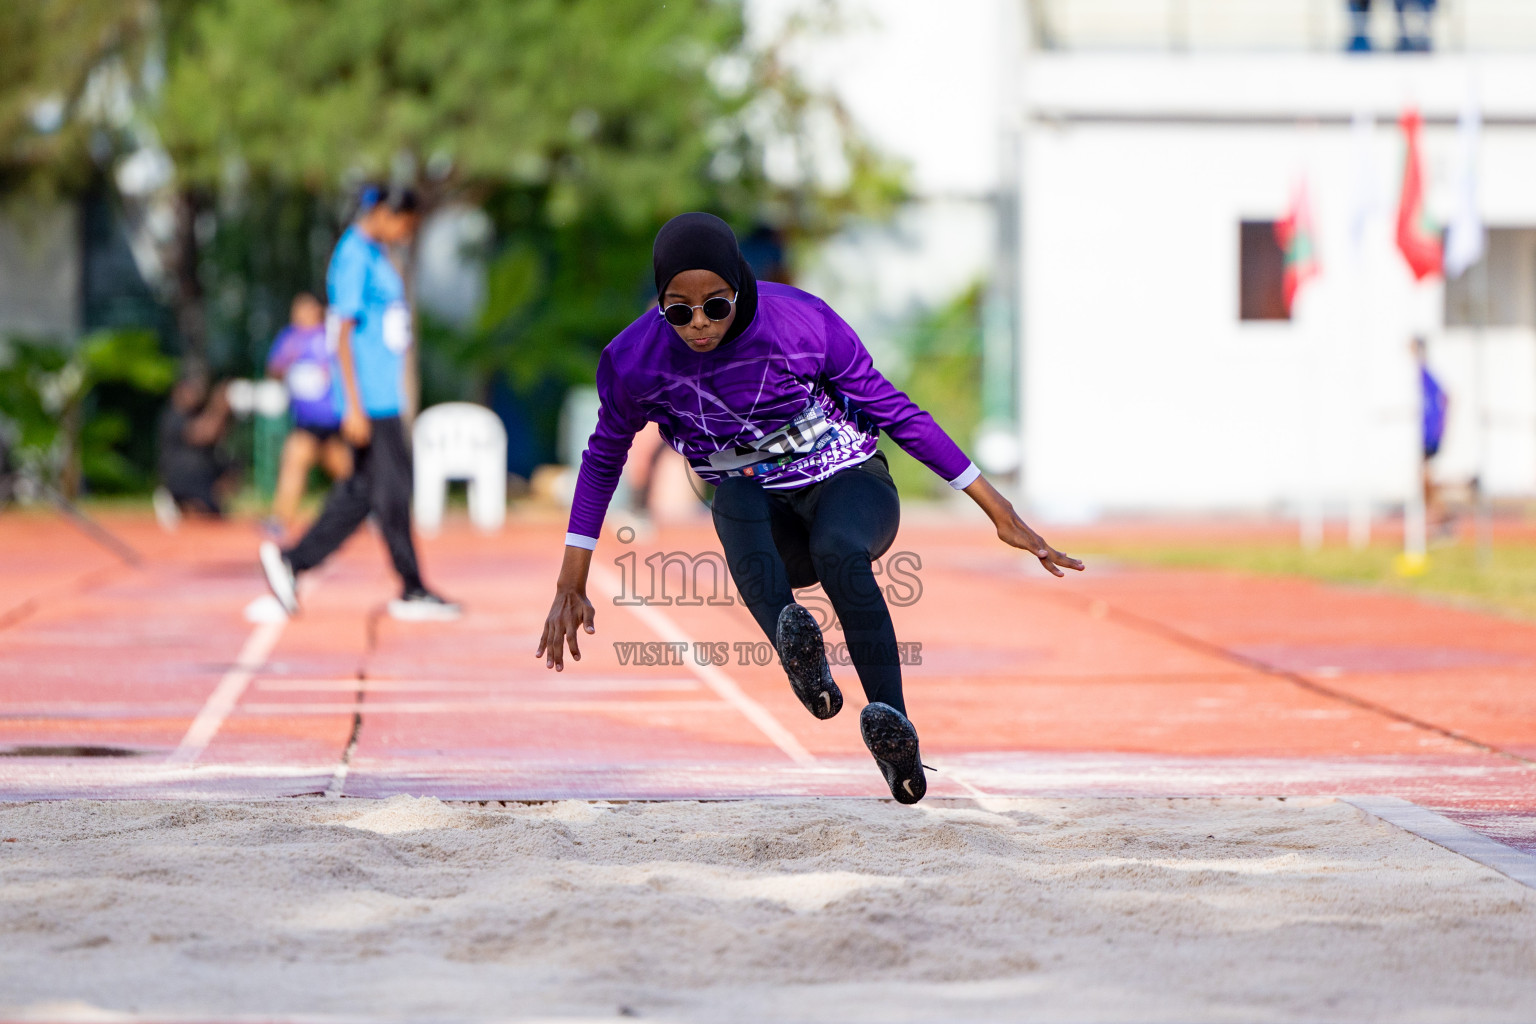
(303, 358)
(195, 474)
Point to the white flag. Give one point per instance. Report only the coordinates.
(1365, 198)
(1464, 237)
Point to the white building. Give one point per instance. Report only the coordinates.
(1148, 132)
(923, 82)
(1143, 385)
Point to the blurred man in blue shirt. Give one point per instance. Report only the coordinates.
(370, 324)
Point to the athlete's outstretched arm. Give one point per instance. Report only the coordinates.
(618, 420)
(571, 611)
(1011, 529)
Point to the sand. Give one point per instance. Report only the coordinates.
(835, 910)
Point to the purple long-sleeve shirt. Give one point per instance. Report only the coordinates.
(791, 400)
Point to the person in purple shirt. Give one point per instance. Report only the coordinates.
(773, 399)
(302, 358)
(1434, 405)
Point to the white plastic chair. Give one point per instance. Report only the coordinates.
(460, 441)
(259, 397)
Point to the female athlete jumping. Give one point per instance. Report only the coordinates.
(774, 400)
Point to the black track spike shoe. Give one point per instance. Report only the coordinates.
(805, 662)
(893, 742)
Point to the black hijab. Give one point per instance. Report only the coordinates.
(702, 241)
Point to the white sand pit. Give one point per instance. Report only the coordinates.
(837, 910)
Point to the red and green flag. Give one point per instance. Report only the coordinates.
(1298, 241)
(1417, 236)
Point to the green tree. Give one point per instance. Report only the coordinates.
(62, 63)
(944, 374)
(580, 125)
(624, 106)
(79, 82)
(46, 393)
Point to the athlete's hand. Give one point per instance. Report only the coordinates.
(568, 616)
(1013, 530)
(355, 428)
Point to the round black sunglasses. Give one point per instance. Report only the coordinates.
(680, 314)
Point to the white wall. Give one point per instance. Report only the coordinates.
(450, 263)
(1260, 25)
(1142, 390)
(924, 82)
(919, 78)
(40, 271)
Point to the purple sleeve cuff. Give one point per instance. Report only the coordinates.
(576, 540)
(603, 462)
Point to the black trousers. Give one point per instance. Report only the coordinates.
(381, 484)
(827, 532)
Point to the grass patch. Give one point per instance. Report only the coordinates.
(1506, 584)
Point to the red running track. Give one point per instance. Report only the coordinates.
(119, 681)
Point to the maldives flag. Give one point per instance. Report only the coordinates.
(1298, 241)
(1417, 236)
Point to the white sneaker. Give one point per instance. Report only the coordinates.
(424, 606)
(265, 609)
(166, 512)
(279, 576)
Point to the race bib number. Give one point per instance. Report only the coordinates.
(309, 382)
(332, 332)
(397, 327)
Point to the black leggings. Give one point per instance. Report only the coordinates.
(380, 483)
(827, 532)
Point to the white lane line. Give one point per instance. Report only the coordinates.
(1442, 831)
(722, 684)
(344, 766)
(339, 776)
(227, 694)
(489, 687)
(986, 801)
(451, 707)
(965, 784)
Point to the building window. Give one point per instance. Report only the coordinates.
(1500, 290)
(1261, 272)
